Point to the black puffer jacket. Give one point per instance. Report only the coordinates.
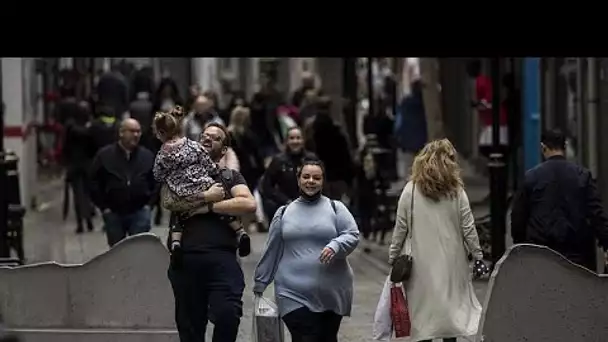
(559, 207)
(280, 183)
(123, 185)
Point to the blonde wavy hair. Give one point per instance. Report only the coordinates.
(436, 171)
(239, 120)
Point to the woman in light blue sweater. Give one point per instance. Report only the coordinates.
(305, 255)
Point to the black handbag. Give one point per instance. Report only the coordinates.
(402, 266)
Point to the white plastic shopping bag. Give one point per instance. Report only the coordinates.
(383, 326)
(259, 211)
(267, 325)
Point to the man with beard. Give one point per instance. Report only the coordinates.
(206, 277)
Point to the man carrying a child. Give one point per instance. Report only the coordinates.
(206, 277)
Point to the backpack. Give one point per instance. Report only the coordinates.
(226, 178)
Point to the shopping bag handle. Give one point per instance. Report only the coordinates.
(256, 300)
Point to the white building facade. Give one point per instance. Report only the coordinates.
(21, 94)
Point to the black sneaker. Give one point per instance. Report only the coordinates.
(244, 244)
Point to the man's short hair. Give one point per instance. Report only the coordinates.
(226, 140)
(554, 139)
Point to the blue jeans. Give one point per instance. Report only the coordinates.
(119, 226)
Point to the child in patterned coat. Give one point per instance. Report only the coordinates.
(187, 170)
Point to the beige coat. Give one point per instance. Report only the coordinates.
(440, 294)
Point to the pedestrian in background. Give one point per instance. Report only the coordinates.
(245, 146)
(264, 120)
(308, 83)
(79, 151)
(306, 257)
(280, 182)
(193, 92)
(200, 115)
(330, 145)
(113, 91)
(141, 105)
(122, 184)
(435, 215)
(410, 128)
(104, 128)
(559, 206)
(238, 99)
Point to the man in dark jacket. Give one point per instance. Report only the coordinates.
(140, 109)
(113, 90)
(559, 206)
(79, 152)
(122, 184)
(264, 121)
(67, 108)
(330, 145)
(280, 183)
(104, 128)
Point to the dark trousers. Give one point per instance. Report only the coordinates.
(119, 226)
(307, 326)
(82, 202)
(158, 211)
(207, 285)
(451, 339)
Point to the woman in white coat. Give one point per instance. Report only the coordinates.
(440, 292)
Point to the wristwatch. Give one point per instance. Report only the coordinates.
(210, 207)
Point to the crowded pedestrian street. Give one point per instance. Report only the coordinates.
(50, 238)
(178, 199)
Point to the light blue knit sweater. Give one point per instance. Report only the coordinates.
(291, 257)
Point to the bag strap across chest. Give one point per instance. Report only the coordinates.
(333, 206)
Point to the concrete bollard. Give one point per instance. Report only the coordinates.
(558, 301)
(121, 295)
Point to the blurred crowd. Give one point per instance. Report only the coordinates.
(270, 134)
